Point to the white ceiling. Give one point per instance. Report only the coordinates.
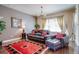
(35, 9)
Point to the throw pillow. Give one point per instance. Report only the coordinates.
(44, 33)
(59, 36)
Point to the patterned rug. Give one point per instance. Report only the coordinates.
(11, 50)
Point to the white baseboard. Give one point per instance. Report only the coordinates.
(10, 40)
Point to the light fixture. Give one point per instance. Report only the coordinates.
(41, 10)
(43, 15)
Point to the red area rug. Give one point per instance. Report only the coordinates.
(25, 47)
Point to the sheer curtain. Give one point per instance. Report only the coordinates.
(43, 22)
(52, 25)
(60, 22)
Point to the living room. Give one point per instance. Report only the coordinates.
(56, 22)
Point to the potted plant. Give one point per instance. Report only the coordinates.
(2, 27)
(37, 26)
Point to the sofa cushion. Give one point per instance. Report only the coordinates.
(39, 34)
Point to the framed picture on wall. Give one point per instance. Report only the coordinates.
(16, 23)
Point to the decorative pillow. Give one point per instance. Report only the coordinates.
(59, 36)
(40, 31)
(44, 33)
(33, 32)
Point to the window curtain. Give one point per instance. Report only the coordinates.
(35, 19)
(60, 22)
(43, 22)
(69, 24)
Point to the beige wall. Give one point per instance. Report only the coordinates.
(68, 18)
(9, 32)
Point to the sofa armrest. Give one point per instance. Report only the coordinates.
(29, 33)
(66, 39)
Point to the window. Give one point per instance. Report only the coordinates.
(52, 25)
